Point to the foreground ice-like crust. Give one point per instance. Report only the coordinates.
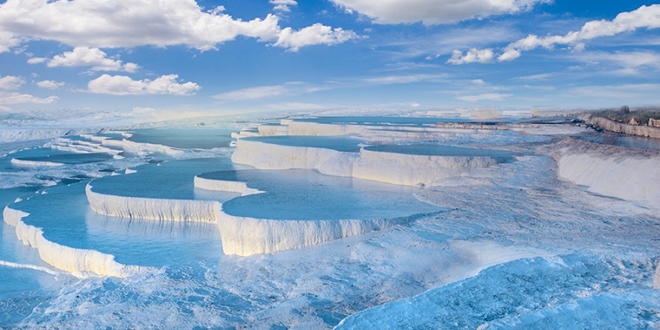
(75, 261)
(574, 291)
(388, 167)
(630, 174)
(153, 208)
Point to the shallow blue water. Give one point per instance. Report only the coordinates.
(202, 138)
(309, 195)
(344, 144)
(170, 179)
(69, 158)
(65, 218)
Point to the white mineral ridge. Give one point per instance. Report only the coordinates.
(404, 169)
(626, 173)
(153, 208)
(223, 185)
(271, 130)
(75, 261)
(246, 236)
(33, 163)
(312, 128)
(81, 146)
(394, 168)
(141, 148)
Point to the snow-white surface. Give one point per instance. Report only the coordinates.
(610, 170)
(153, 208)
(75, 261)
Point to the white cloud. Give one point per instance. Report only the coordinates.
(7, 41)
(644, 17)
(123, 85)
(260, 92)
(283, 5)
(11, 82)
(317, 34)
(85, 56)
(37, 60)
(16, 98)
(431, 12)
(471, 56)
(130, 23)
(484, 97)
(50, 84)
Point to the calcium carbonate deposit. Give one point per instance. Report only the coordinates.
(323, 222)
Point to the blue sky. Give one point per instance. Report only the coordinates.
(141, 55)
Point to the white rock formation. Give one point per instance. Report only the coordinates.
(223, 185)
(388, 167)
(153, 208)
(626, 173)
(246, 236)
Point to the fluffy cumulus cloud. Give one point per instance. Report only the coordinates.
(283, 5)
(647, 17)
(7, 40)
(123, 85)
(8, 83)
(11, 82)
(130, 23)
(471, 56)
(432, 12)
(85, 56)
(50, 84)
(316, 34)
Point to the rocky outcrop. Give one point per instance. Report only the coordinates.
(654, 122)
(612, 126)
